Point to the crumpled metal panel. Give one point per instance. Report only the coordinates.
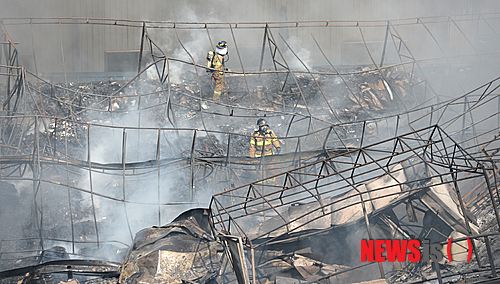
(236, 256)
(343, 211)
(179, 252)
(351, 212)
(439, 200)
(390, 183)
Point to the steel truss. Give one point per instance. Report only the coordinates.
(315, 184)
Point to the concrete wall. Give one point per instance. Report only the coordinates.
(84, 46)
(239, 11)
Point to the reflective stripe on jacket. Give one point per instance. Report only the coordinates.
(259, 140)
(218, 63)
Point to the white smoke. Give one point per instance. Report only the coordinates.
(194, 49)
(303, 53)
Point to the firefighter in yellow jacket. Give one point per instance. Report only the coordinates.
(218, 63)
(261, 144)
(263, 140)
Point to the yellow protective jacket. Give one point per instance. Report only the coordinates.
(218, 63)
(259, 140)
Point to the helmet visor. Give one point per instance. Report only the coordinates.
(221, 50)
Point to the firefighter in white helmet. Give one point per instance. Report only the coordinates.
(218, 63)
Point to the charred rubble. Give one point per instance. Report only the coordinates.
(192, 249)
(410, 200)
(93, 172)
(298, 229)
(175, 105)
(293, 239)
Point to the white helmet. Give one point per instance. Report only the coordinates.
(221, 48)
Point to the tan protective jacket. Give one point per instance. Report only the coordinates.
(218, 63)
(258, 140)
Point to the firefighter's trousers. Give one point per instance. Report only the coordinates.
(267, 169)
(219, 85)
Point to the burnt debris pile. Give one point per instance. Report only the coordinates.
(145, 175)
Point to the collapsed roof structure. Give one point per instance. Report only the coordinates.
(396, 139)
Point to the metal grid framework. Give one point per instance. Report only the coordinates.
(443, 159)
(455, 135)
(471, 183)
